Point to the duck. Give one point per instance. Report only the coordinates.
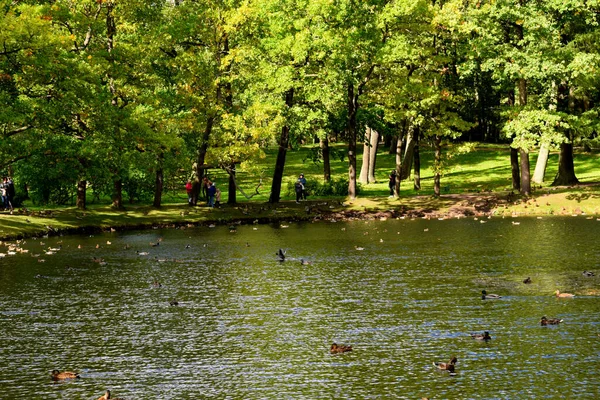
(589, 274)
(142, 253)
(280, 255)
(481, 336)
(449, 366)
(559, 294)
(155, 244)
(305, 262)
(59, 376)
(106, 396)
(552, 321)
(174, 302)
(339, 348)
(527, 280)
(485, 295)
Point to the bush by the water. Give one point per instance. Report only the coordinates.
(335, 187)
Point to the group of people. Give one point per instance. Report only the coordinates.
(213, 193)
(7, 189)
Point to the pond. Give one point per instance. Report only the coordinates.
(402, 293)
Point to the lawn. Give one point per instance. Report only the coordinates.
(481, 176)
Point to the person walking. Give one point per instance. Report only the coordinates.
(188, 188)
(3, 191)
(212, 191)
(303, 182)
(10, 193)
(392, 183)
(299, 188)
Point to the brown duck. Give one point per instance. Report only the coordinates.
(449, 366)
(59, 376)
(339, 348)
(107, 396)
(552, 321)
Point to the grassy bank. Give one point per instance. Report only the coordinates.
(474, 183)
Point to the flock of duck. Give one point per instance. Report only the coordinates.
(450, 366)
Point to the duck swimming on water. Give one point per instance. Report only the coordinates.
(339, 348)
(481, 336)
(280, 255)
(485, 295)
(563, 295)
(552, 321)
(449, 366)
(60, 376)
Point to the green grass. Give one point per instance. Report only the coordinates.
(468, 177)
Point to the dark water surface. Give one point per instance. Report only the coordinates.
(250, 327)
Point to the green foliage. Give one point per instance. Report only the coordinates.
(333, 188)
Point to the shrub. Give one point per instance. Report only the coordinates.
(334, 187)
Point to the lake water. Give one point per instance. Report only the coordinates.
(250, 327)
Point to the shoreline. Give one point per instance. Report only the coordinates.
(26, 223)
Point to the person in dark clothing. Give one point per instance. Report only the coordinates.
(392, 183)
(212, 191)
(299, 190)
(302, 180)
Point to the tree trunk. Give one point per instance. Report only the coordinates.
(417, 162)
(541, 163)
(284, 141)
(351, 135)
(81, 194)
(201, 157)
(374, 141)
(437, 142)
(525, 174)
(524, 153)
(408, 152)
(566, 167)
(366, 157)
(392, 146)
(398, 164)
(514, 164)
(326, 162)
(159, 182)
(231, 192)
(117, 198)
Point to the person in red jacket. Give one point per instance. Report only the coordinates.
(188, 188)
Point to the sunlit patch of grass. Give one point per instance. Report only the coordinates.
(484, 172)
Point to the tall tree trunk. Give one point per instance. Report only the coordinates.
(437, 145)
(525, 171)
(352, 105)
(231, 192)
(159, 181)
(374, 141)
(566, 167)
(117, 198)
(541, 163)
(514, 165)
(392, 145)
(326, 161)
(398, 164)
(200, 159)
(366, 157)
(284, 141)
(524, 153)
(417, 161)
(81, 194)
(408, 152)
